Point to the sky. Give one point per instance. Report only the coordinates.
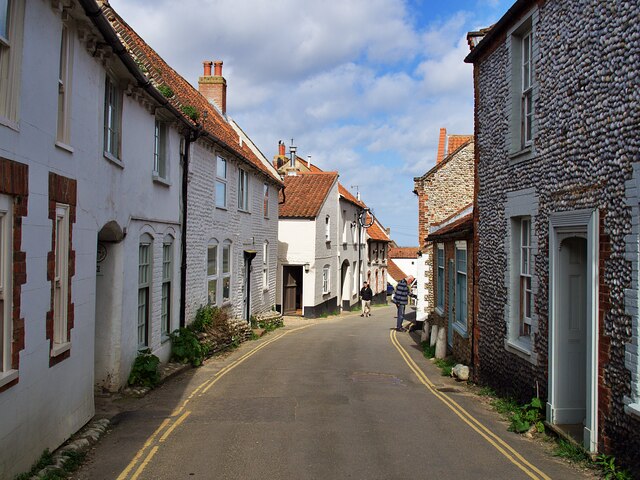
(363, 86)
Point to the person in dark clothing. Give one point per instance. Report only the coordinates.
(366, 295)
(401, 298)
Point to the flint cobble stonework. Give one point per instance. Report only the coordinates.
(586, 118)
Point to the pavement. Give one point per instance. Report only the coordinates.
(341, 397)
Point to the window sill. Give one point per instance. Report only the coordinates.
(114, 160)
(8, 377)
(631, 409)
(520, 346)
(165, 338)
(64, 146)
(221, 208)
(462, 331)
(439, 311)
(521, 155)
(9, 124)
(60, 348)
(160, 181)
(244, 211)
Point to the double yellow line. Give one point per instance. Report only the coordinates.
(503, 447)
(179, 415)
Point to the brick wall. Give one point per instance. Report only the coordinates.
(14, 181)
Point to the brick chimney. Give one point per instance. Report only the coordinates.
(282, 150)
(214, 87)
(441, 145)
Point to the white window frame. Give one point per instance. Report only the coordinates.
(265, 200)
(243, 190)
(11, 63)
(222, 169)
(5, 11)
(525, 292)
(212, 270)
(6, 285)
(526, 87)
(461, 287)
(145, 273)
(440, 283)
(327, 228)
(112, 119)
(65, 69)
(265, 265)
(160, 142)
(167, 287)
(61, 280)
(226, 274)
(326, 280)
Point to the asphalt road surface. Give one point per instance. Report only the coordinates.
(340, 398)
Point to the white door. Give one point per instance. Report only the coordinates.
(571, 361)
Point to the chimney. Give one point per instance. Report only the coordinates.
(441, 145)
(214, 87)
(309, 162)
(292, 151)
(282, 150)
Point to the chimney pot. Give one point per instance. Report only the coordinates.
(282, 150)
(441, 145)
(217, 68)
(207, 68)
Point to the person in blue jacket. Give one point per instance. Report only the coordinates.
(401, 298)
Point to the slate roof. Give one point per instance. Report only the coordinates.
(403, 252)
(305, 193)
(184, 94)
(396, 273)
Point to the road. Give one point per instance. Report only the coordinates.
(339, 398)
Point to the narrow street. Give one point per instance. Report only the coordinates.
(336, 398)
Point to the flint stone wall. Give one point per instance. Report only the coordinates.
(587, 113)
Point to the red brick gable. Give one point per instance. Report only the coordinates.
(403, 252)
(305, 193)
(184, 94)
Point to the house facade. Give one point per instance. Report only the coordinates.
(556, 215)
(231, 210)
(308, 282)
(406, 258)
(453, 268)
(89, 224)
(378, 241)
(442, 192)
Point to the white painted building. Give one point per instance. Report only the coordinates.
(89, 224)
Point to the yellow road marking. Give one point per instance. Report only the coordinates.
(202, 388)
(499, 444)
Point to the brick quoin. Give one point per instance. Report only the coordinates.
(14, 181)
(61, 190)
(604, 342)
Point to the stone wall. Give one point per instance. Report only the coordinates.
(587, 109)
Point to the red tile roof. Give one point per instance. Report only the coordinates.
(456, 141)
(305, 193)
(458, 228)
(394, 271)
(376, 231)
(403, 252)
(346, 194)
(184, 94)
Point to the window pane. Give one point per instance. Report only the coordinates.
(143, 300)
(212, 260)
(212, 290)
(143, 268)
(266, 199)
(226, 289)
(528, 300)
(226, 251)
(166, 307)
(221, 168)
(167, 253)
(221, 194)
(4, 19)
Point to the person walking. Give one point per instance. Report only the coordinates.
(401, 298)
(366, 294)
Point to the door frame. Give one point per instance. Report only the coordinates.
(583, 223)
(451, 287)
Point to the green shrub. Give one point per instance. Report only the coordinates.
(185, 347)
(204, 318)
(427, 350)
(191, 112)
(165, 90)
(526, 416)
(45, 460)
(145, 370)
(610, 470)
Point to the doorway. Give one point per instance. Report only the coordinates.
(249, 255)
(345, 288)
(292, 292)
(573, 366)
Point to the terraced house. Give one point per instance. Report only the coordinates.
(557, 215)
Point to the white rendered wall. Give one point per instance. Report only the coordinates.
(407, 265)
(296, 246)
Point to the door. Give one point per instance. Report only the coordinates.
(452, 288)
(292, 291)
(571, 363)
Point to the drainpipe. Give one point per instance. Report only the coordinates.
(183, 238)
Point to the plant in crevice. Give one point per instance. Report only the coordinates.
(166, 91)
(610, 470)
(427, 350)
(191, 112)
(570, 451)
(144, 371)
(185, 347)
(528, 415)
